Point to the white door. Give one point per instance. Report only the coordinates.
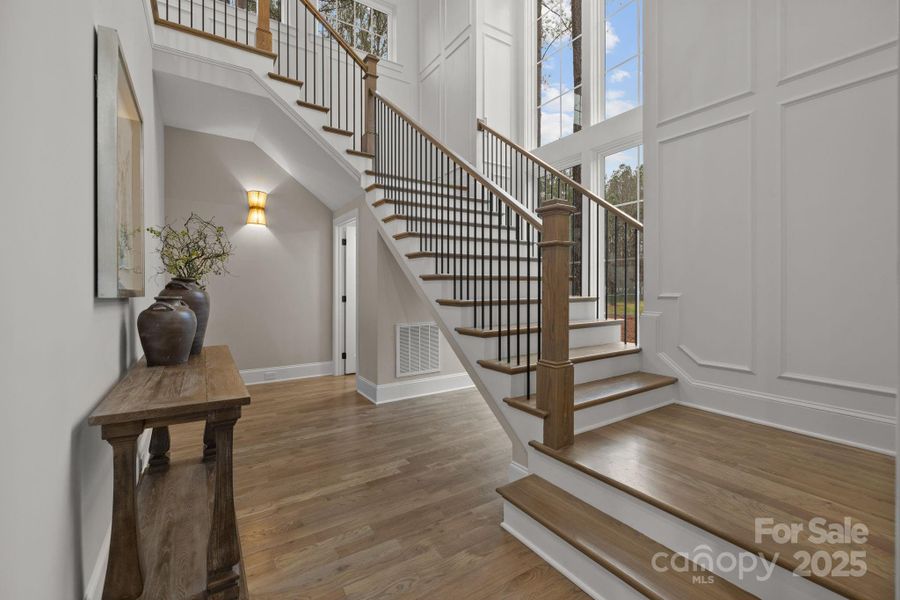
(349, 299)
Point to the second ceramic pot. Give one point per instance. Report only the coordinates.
(167, 329)
(196, 298)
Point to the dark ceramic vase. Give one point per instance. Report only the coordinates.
(167, 329)
(196, 298)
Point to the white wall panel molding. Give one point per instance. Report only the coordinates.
(863, 349)
(844, 33)
(694, 80)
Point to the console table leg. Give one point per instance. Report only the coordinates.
(159, 450)
(223, 551)
(209, 444)
(124, 579)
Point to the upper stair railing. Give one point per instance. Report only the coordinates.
(606, 255)
(307, 51)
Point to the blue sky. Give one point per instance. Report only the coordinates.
(558, 98)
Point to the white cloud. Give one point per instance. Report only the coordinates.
(616, 103)
(612, 40)
(619, 75)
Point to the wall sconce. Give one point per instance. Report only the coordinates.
(257, 201)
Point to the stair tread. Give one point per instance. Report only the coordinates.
(719, 473)
(317, 107)
(593, 393)
(576, 355)
(504, 301)
(395, 202)
(450, 277)
(338, 131)
(286, 79)
(618, 548)
(360, 153)
(449, 195)
(533, 328)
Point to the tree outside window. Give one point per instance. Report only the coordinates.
(361, 26)
(559, 70)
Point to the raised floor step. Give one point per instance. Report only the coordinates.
(720, 474)
(602, 391)
(619, 549)
(576, 355)
(506, 331)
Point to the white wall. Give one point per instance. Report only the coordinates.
(771, 189)
(62, 350)
(274, 309)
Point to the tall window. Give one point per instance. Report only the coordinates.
(558, 69)
(361, 25)
(624, 43)
(624, 249)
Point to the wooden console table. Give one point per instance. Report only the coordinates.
(180, 513)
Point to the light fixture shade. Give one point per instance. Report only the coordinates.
(256, 216)
(257, 201)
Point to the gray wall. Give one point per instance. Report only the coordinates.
(274, 309)
(61, 349)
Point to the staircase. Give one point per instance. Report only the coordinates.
(543, 314)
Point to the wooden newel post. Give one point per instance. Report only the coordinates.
(555, 372)
(263, 33)
(371, 79)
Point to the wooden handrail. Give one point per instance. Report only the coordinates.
(483, 126)
(337, 37)
(516, 206)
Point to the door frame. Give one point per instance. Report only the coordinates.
(337, 312)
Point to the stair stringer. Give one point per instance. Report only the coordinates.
(519, 430)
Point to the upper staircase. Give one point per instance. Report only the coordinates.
(535, 282)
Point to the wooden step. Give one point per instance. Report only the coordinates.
(360, 153)
(507, 331)
(343, 132)
(601, 391)
(317, 107)
(576, 355)
(450, 277)
(476, 257)
(414, 180)
(504, 301)
(285, 79)
(464, 238)
(441, 222)
(719, 473)
(619, 549)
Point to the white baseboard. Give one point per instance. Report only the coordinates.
(414, 388)
(286, 373)
(516, 472)
(93, 589)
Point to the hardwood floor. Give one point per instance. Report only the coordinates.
(337, 499)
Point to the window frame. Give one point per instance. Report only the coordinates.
(388, 9)
(599, 30)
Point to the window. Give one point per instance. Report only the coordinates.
(361, 26)
(624, 248)
(623, 48)
(558, 69)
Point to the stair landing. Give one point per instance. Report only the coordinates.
(721, 473)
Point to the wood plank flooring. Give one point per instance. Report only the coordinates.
(721, 474)
(340, 500)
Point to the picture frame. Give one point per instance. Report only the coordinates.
(119, 148)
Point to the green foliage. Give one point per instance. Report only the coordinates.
(198, 250)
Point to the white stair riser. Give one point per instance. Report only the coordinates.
(473, 235)
(594, 580)
(455, 246)
(623, 408)
(424, 266)
(519, 344)
(672, 532)
(514, 385)
(498, 289)
(578, 311)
